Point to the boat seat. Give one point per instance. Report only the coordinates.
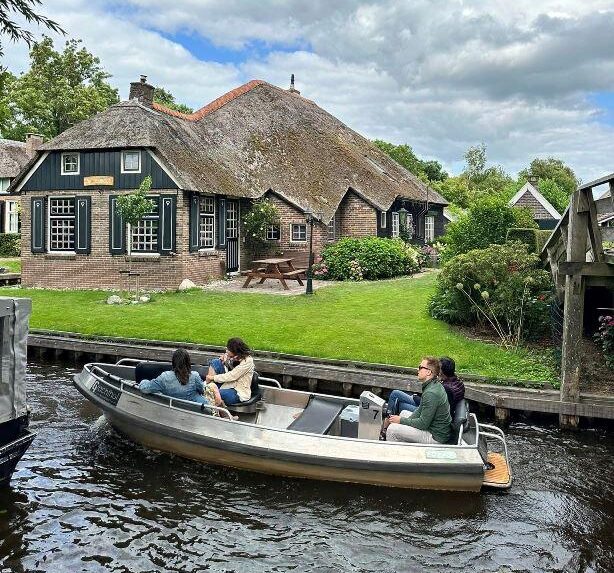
(151, 370)
(249, 406)
(460, 422)
(318, 416)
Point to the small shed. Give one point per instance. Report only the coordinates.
(544, 213)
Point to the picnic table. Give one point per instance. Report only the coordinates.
(280, 269)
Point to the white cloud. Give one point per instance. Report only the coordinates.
(438, 76)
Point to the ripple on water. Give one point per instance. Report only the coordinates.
(87, 499)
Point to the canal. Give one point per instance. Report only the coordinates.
(86, 499)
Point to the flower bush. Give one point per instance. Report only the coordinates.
(369, 258)
(257, 220)
(605, 335)
(501, 286)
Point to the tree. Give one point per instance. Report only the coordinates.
(59, 90)
(16, 33)
(475, 158)
(554, 169)
(404, 155)
(167, 99)
(558, 197)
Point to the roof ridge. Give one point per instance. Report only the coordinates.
(212, 106)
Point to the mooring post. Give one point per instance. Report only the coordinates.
(347, 389)
(312, 384)
(286, 381)
(502, 415)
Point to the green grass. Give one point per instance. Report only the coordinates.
(384, 322)
(13, 265)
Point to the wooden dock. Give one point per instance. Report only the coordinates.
(348, 378)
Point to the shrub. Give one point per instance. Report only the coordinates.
(257, 220)
(10, 244)
(370, 258)
(605, 335)
(535, 239)
(503, 282)
(484, 224)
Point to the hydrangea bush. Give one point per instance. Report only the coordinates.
(605, 335)
(257, 220)
(369, 258)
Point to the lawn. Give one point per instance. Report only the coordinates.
(384, 322)
(12, 265)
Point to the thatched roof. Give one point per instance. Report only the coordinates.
(13, 157)
(255, 138)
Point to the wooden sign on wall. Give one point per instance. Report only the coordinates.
(98, 180)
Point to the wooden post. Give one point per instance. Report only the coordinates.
(573, 318)
(502, 415)
(312, 384)
(286, 381)
(347, 389)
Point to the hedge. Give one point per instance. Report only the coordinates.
(10, 245)
(535, 239)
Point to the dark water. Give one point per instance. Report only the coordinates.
(86, 499)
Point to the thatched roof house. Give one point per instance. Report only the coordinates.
(257, 139)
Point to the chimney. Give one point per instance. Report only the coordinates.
(33, 142)
(292, 90)
(142, 91)
(533, 180)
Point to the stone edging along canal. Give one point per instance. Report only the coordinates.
(334, 376)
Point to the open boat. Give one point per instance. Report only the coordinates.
(295, 433)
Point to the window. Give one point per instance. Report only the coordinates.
(4, 184)
(70, 164)
(131, 161)
(429, 228)
(12, 217)
(62, 224)
(409, 222)
(395, 224)
(332, 229)
(207, 223)
(145, 232)
(273, 233)
(299, 232)
(232, 220)
(382, 219)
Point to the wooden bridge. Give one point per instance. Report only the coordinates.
(577, 260)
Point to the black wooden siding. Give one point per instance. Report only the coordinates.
(417, 210)
(48, 176)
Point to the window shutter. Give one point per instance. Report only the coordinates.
(166, 231)
(39, 219)
(221, 222)
(83, 225)
(117, 229)
(194, 222)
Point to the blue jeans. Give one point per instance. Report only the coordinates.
(229, 395)
(400, 401)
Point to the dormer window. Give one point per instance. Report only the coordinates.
(70, 164)
(131, 161)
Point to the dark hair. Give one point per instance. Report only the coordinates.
(433, 365)
(238, 348)
(182, 365)
(447, 366)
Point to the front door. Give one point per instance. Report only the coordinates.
(232, 236)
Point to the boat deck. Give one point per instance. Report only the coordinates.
(499, 476)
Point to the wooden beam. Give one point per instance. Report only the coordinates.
(594, 232)
(586, 269)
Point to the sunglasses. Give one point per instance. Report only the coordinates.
(424, 368)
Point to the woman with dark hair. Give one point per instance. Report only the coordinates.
(180, 382)
(233, 372)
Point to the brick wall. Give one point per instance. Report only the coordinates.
(356, 217)
(100, 269)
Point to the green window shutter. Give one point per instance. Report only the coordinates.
(83, 225)
(166, 229)
(39, 220)
(194, 223)
(117, 229)
(221, 222)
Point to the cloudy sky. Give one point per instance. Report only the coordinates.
(527, 78)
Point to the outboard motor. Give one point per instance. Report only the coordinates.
(370, 416)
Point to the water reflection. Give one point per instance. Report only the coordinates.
(87, 499)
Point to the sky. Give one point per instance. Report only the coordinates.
(528, 78)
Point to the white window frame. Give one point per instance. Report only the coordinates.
(429, 228)
(123, 159)
(4, 184)
(409, 223)
(292, 238)
(394, 230)
(66, 154)
(206, 215)
(50, 217)
(331, 230)
(147, 217)
(273, 230)
(12, 216)
(382, 219)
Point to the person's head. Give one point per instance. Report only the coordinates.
(237, 349)
(182, 365)
(447, 367)
(429, 368)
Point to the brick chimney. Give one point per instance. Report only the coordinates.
(33, 142)
(142, 91)
(292, 89)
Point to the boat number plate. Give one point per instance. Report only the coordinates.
(109, 395)
(441, 454)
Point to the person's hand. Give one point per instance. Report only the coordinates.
(209, 378)
(223, 357)
(395, 419)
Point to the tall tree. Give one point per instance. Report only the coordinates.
(554, 169)
(59, 90)
(167, 99)
(24, 8)
(428, 171)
